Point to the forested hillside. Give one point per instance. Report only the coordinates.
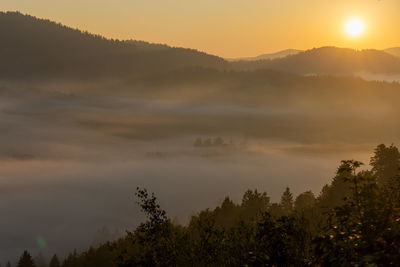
(33, 48)
(395, 51)
(41, 49)
(330, 61)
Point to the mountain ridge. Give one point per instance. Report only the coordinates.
(395, 51)
(329, 60)
(33, 48)
(275, 55)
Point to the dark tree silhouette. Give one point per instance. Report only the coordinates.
(71, 53)
(287, 201)
(254, 202)
(26, 260)
(386, 164)
(304, 201)
(54, 262)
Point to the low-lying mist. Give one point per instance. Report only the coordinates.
(72, 154)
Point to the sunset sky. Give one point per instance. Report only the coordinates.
(228, 28)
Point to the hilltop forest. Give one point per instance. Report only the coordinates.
(37, 49)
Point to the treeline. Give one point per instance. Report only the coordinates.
(216, 142)
(33, 48)
(354, 221)
(342, 61)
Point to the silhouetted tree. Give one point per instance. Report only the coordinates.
(334, 195)
(218, 141)
(287, 201)
(386, 164)
(228, 214)
(280, 243)
(54, 262)
(26, 260)
(254, 203)
(72, 260)
(304, 201)
(154, 238)
(364, 231)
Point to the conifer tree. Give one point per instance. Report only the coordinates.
(287, 201)
(26, 260)
(54, 262)
(386, 164)
(304, 201)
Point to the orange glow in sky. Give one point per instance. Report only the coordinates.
(228, 28)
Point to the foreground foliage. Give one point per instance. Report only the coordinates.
(355, 221)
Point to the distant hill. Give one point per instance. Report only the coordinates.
(280, 54)
(32, 47)
(395, 51)
(329, 61)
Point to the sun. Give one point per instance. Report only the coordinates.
(355, 27)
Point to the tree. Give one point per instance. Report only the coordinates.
(227, 214)
(280, 242)
(26, 260)
(54, 262)
(154, 238)
(72, 260)
(364, 231)
(386, 164)
(287, 202)
(334, 195)
(304, 201)
(254, 203)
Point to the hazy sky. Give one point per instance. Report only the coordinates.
(229, 28)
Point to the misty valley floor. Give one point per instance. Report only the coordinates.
(71, 159)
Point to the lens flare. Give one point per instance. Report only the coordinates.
(41, 242)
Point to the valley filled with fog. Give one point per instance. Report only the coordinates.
(86, 120)
(73, 155)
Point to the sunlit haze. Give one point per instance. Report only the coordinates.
(199, 133)
(228, 28)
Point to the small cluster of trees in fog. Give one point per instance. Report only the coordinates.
(354, 221)
(216, 142)
(210, 142)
